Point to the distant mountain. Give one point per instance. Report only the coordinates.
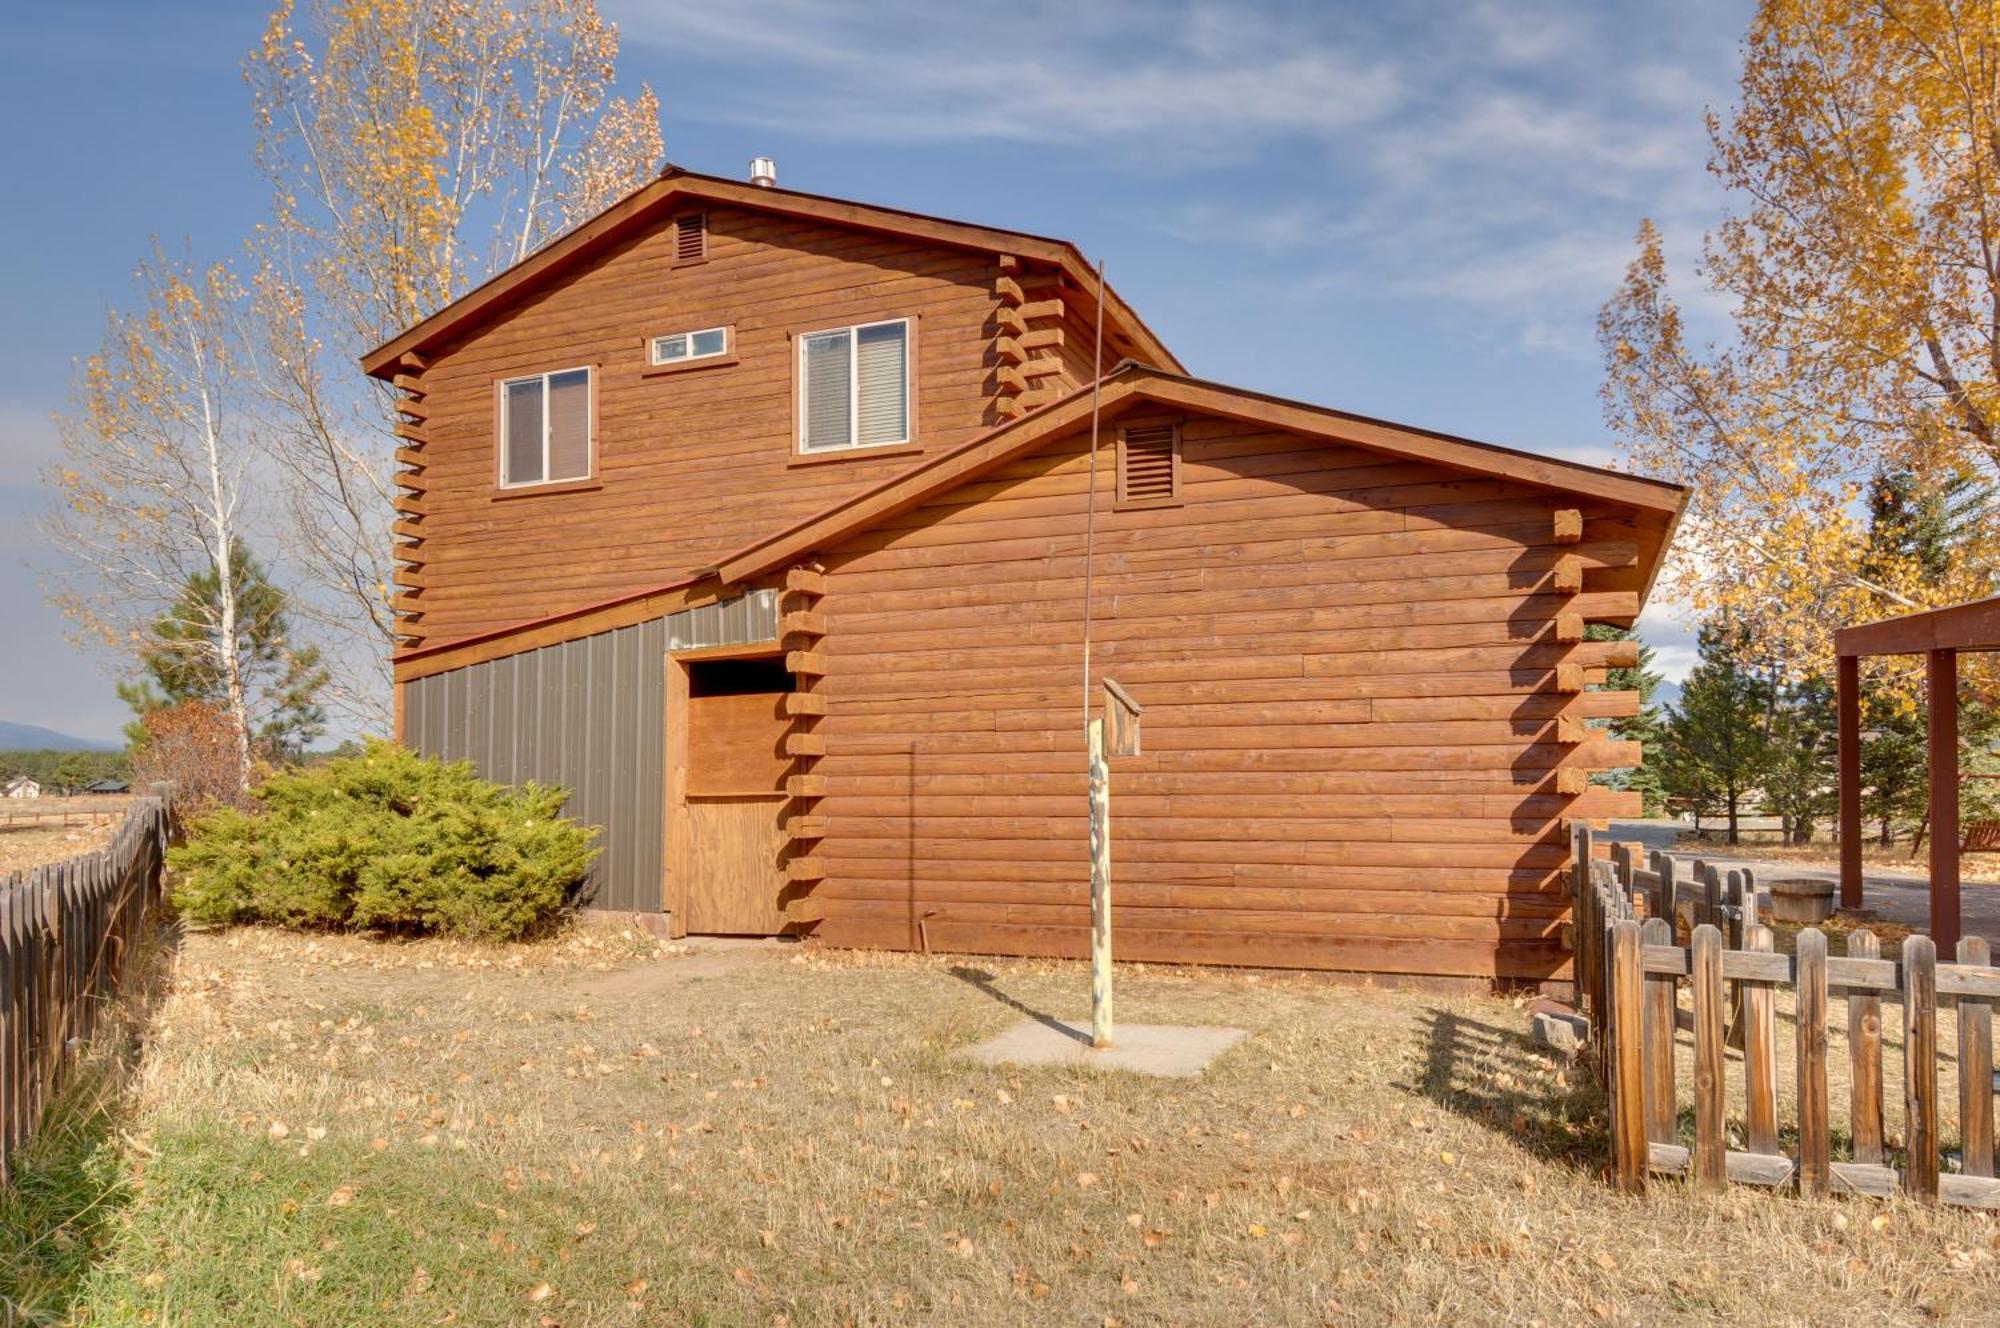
(35, 738)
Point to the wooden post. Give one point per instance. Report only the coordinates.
(1975, 1068)
(1100, 887)
(1626, 1074)
(1848, 676)
(1864, 1043)
(1920, 1104)
(1662, 1111)
(1815, 1160)
(1941, 705)
(1760, 1050)
(1710, 1148)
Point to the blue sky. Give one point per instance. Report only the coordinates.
(1408, 210)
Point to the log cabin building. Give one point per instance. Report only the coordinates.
(758, 520)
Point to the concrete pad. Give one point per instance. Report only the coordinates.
(1166, 1051)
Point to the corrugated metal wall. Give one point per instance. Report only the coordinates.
(584, 715)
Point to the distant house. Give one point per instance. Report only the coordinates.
(108, 786)
(21, 787)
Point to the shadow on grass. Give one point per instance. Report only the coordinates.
(71, 1180)
(1500, 1079)
(983, 981)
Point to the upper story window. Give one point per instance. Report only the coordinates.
(854, 386)
(545, 428)
(679, 347)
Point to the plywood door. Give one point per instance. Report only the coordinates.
(732, 850)
(731, 836)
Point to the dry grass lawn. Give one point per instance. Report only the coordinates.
(25, 846)
(586, 1133)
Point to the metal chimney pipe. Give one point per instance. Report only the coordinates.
(763, 172)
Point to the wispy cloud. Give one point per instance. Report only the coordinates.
(1493, 159)
(1196, 80)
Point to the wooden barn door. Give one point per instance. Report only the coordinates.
(727, 835)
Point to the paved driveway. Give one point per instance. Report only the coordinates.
(1895, 896)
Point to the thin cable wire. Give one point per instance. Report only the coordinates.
(1090, 518)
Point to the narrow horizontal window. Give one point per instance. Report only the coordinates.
(854, 387)
(677, 347)
(545, 428)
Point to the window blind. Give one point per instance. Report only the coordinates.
(828, 380)
(569, 425)
(522, 461)
(881, 376)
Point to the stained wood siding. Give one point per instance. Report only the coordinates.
(692, 462)
(1348, 667)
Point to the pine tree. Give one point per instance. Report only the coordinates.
(1800, 787)
(179, 662)
(1718, 746)
(1918, 532)
(1646, 728)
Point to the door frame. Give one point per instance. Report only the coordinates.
(674, 883)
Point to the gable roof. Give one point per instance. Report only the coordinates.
(1130, 383)
(1127, 385)
(1123, 327)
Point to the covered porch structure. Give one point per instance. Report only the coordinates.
(1939, 635)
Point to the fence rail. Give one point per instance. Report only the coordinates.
(1629, 971)
(65, 931)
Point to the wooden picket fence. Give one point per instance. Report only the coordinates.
(65, 932)
(1629, 969)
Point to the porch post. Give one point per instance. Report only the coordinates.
(1847, 676)
(1941, 706)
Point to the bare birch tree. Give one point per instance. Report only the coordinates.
(156, 477)
(413, 147)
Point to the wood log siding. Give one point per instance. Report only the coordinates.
(1355, 753)
(801, 630)
(689, 462)
(412, 476)
(1030, 369)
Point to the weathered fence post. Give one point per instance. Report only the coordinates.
(1864, 1049)
(1920, 1130)
(1975, 1067)
(1815, 1160)
(1710, 1148)
(1760, 1051)
(1625, 1073)
(1662, 1111)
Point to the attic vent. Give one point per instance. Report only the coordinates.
(1149, 464)
(691, 238)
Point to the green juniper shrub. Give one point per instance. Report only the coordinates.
(387, 840)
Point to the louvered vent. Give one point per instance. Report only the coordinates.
(1149, 470)
(691, 238)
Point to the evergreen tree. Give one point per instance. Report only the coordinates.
(1646, 727)
(1918, 531)
(179, 663)
(1718, 746)
(1801, 784)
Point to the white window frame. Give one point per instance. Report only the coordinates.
(589, 373)
(653, 347)
(854, 331)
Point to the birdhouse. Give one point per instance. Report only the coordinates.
(1121, 721)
